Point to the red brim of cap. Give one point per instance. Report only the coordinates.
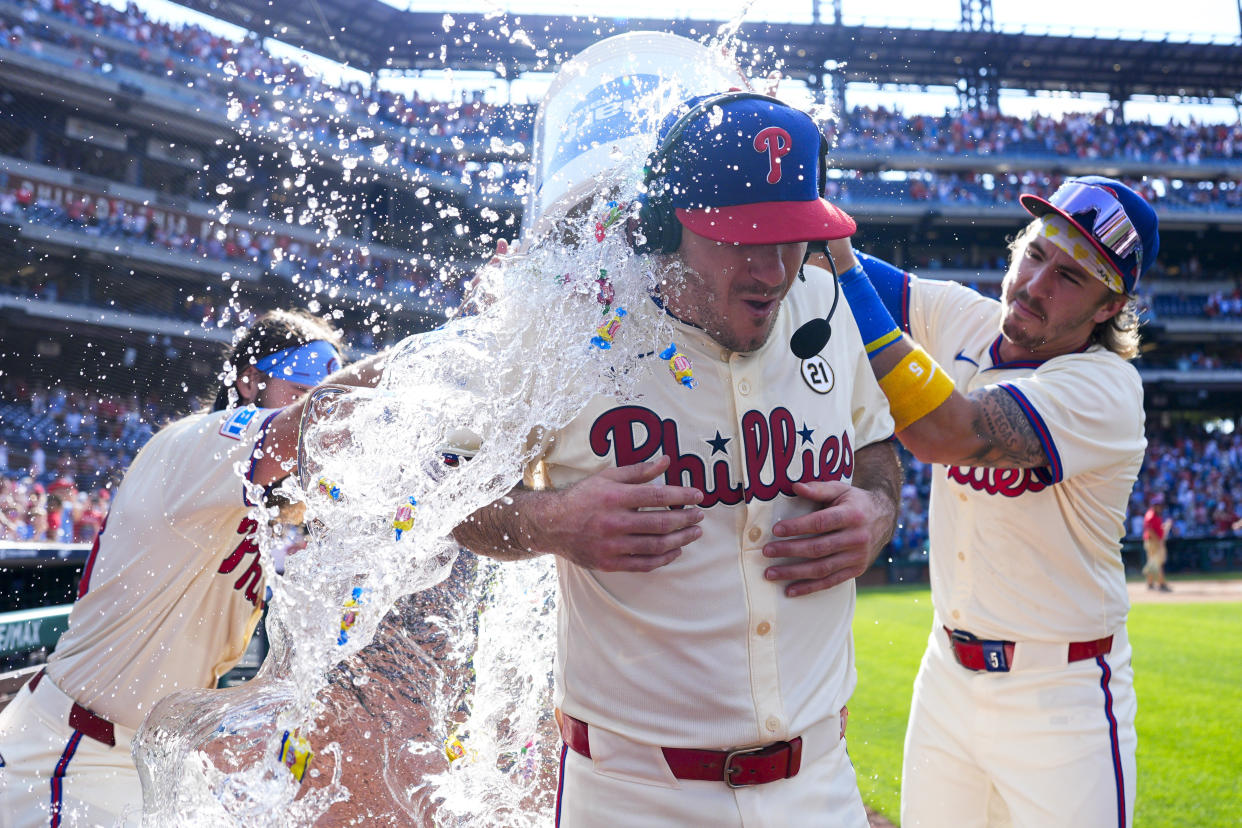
(770, 222)
(1040, 207)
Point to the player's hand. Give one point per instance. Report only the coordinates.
(600, 522)
(835, 543)
(503, 249)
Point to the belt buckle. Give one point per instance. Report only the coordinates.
(963, 636)
(959, 637)
(729, 770)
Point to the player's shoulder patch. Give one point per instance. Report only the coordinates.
(235, 426)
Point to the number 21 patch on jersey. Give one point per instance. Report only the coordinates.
(235, 426)
(817, 373)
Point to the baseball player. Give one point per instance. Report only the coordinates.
(704, 650)
(172, 588)
(1155, 533)
(1023, 709)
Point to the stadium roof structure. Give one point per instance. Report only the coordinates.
(372, 36)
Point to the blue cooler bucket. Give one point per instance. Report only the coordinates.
(600, 115)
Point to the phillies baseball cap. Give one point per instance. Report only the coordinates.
(1118, 222)
(747, 170)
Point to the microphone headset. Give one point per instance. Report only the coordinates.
(812, 337)
(656, 229)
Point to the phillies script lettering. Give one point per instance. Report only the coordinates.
(1003, 482)
(633, 434)
(253, 574)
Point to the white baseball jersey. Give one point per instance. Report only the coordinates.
(705, 652)
(1032, 554)
(172, 589)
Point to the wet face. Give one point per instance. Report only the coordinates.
(733, 291)
(1050, 304)
(253, 386)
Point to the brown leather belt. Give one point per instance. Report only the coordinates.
(736, 768)
(997, 656)
(83, 720)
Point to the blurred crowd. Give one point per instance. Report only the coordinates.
(62, 450)
(273, 92)
(292, 260)
(279, 255)
(1196, 472)
(259, 87)
(56, 513)
(1193, 469)
(985, 188)
(1089, 136)
(189, 52)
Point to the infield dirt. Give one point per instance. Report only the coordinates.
(1187, 592)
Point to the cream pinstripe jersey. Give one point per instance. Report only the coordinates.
(171, 591)
(705, 652)
(1032, 554)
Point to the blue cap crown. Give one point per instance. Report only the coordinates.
(745, 168)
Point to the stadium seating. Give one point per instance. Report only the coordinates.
(128, 225)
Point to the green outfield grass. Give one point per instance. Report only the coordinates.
(1188, 676)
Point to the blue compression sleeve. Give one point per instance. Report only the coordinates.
(875, 323)
(891, 283)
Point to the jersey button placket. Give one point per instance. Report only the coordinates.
(762, 596)
(961, 600)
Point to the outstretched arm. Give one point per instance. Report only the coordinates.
(617, 520)
(280, 445)
(935, 421)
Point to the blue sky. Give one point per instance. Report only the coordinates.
(1196, 21)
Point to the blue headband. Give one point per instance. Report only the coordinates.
(308, 364)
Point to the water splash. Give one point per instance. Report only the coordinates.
(419, 676)
(476, 648)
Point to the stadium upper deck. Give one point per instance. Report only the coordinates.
(117, 133)
(121, 138)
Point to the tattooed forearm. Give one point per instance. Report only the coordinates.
(1009, 441)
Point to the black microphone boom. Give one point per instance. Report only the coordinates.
(811, 338)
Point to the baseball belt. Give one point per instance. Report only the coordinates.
(736, 768)
(997, 656)
(83, 720)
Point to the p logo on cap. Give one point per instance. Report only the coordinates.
(776, 143)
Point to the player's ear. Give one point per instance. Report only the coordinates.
(1111, 307)
(248, 385)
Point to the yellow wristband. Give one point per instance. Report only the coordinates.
(915, 387)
